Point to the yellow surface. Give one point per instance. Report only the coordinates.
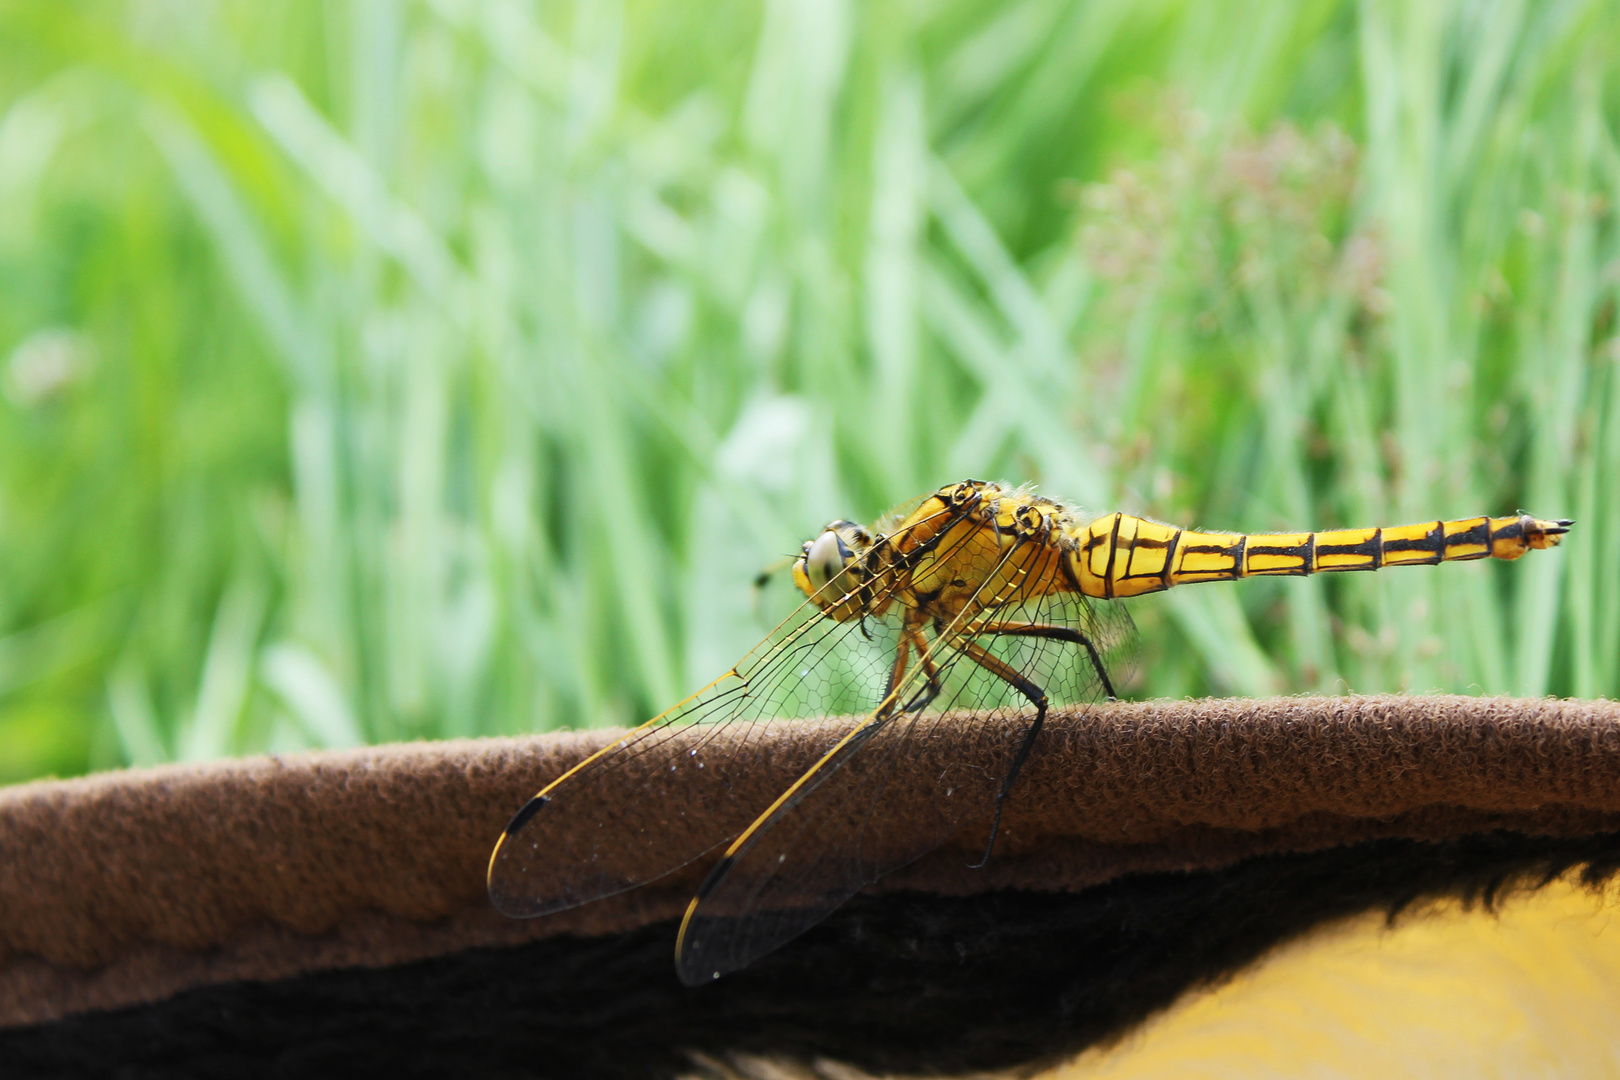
(1531, 991)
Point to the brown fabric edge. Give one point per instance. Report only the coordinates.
(1039, 856)
(34, 991)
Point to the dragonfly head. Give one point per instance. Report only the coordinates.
(840, 545)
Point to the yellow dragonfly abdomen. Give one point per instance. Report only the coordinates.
(1119, 555)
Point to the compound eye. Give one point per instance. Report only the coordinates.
(824, 558)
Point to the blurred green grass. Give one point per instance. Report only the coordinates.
(389, 370)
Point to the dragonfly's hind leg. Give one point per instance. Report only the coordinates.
(1035, 694)
(1037, 697)
(1054, 633)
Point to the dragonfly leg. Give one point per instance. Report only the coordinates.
(930, 691)
(1003, 671)
(897, 676)
(1056, 633)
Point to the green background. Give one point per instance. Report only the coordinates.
(385, 371)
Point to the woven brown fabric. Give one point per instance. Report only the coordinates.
(125, 887)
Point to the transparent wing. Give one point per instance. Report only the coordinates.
(580, 839)
(901, 785)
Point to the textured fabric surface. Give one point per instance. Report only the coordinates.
(895, 984)
(129, 887)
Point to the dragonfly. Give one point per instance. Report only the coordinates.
(979, 600)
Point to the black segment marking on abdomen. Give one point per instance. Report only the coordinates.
(1370, 548)
(1170, 558)
(1478, 534)
(1297, 551)
(1113, 553)
(1434, 543)
(1148, 544)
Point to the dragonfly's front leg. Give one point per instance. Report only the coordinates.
(910, 638)
(931, 690)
